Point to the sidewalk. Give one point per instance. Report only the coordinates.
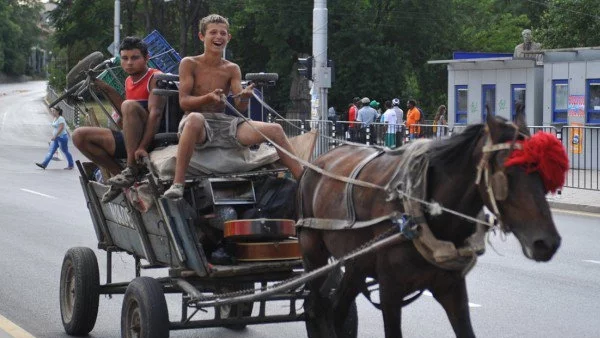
(576, 200)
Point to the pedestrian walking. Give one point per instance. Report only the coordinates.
(60, 138)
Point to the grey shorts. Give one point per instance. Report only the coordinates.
(221, 130)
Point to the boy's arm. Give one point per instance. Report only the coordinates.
(242, 95)
(187, 101)
(156, 104)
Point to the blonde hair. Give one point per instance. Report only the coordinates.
(212, 18)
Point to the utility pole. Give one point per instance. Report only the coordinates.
(320, 71)
(117, 34)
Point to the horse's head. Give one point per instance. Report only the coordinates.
(515, 189)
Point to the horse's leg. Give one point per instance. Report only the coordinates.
(451, 293)
(345, 296)
(391, 302)
(318, 309)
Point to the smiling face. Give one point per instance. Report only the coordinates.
(216, 37)
(133, 62)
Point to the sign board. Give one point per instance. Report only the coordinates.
(576, 105)
(576, 138)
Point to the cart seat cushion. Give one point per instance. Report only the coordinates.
(214, 160)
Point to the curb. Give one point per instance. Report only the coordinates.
(574, 207)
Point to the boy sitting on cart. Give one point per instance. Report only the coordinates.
(203, 80)
(141, 112)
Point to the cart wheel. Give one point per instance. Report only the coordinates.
(79, 291)
(144, 313)
(231, 311)
(77, 73)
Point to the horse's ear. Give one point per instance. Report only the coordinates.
(492, 124)
(520, 118)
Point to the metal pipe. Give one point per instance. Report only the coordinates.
(320, 53)
(117, 27)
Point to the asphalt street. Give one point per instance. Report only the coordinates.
(43, 213)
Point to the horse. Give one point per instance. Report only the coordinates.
(463, 173)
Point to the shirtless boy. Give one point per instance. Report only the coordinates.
(203, 79)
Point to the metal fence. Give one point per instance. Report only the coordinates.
(582, 145)
(581, 142)
(70, 114)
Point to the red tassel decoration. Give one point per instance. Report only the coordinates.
(544, 153)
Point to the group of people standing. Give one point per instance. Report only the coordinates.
(363, 111)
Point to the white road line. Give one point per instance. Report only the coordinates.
(427, 293)
(591, 261)
(575, 212)
(12, 329)
(37, 193)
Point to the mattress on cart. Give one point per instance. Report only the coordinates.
(214, 160)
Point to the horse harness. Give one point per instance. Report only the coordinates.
(496, 185)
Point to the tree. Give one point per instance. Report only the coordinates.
(570, 23)
(18, 34)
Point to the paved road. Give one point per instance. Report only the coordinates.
(42, 214)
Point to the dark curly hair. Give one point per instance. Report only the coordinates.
(133, 42)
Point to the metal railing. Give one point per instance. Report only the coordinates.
(70, 114)
(583, 148)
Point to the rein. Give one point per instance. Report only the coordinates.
(434, 207)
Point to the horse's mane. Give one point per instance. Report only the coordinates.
(455, 150)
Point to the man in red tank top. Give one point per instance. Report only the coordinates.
(141, 112)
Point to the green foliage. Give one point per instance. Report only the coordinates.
(570, 23)
(380, 47)
(18, 33)
(83, 27)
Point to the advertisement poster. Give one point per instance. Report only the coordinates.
(576, 105)
(576, 138)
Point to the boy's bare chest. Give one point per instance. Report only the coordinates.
(207, 80)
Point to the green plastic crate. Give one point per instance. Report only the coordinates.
(115, 77)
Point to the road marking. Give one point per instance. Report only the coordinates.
(575, 212)
(591, 261)
(37, 193)
(427, 293)
(12, 329)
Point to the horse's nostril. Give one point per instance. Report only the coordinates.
(545, 248)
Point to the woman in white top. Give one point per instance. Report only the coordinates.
(60, 137)
(439, 122)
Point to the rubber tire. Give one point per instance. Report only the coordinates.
(246, 310)
(164, 140)
(165, 92)
(144, 304)
(166, 77)
(77, 73)
(79, 278)
(349, 329)
(262, 77)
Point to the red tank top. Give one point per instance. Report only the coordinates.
(139, 90)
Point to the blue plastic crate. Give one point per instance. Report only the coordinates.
(162, 55)
(167, 62)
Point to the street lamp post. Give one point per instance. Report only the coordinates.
(117, 34)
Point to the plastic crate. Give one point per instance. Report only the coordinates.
(162, 55)
(167, 62)
(114, 77)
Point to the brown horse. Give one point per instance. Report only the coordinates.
(399, 268)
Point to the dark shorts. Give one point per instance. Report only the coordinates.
(120, 151)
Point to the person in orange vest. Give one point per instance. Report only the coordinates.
(413, 116)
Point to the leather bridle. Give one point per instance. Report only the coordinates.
(496, 184)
